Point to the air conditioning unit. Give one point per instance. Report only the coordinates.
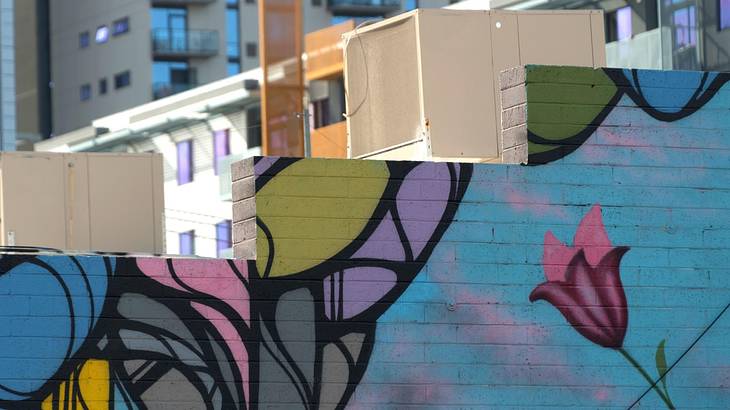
(424, 85)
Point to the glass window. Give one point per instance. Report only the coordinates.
(253, 127)
(251, 50)
(223, 236)
(685, 27)
(234, 67)
(102, 34)
(85, 92)
(187, 242)
(233, 42)
(184, 162)
(232, 2)
(84, 39)
(102, 86)
(120, 26)
(724, 12)
(169, 18)
(623, 23)
(221, 147)
(122, 79)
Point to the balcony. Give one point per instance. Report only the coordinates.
(166, 89)
(363, 7)
(168, 43)
(179, 3)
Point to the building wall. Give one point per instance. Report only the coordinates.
(576, 282)
(71, 66)
(198, 205)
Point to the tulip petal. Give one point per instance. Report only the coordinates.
(555, 257)
(561, 295)
(592, 237)
(612, 296)
(586, 285)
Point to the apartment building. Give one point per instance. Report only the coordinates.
(199, 133)
(669, 35)
(111, 56)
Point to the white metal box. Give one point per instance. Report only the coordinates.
(424, 84)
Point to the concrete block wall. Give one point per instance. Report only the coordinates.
(244, 209)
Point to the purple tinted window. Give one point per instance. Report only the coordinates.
(223, 236)
(623, 23)
(184, 162)
(724, 6)
(187, 243)
(684, 27)
(221, 147)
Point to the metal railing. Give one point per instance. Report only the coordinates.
(165, 89)
(363, 7)
(184, 43)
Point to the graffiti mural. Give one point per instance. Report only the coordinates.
(597, 279)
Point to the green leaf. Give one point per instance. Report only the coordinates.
(661, 363)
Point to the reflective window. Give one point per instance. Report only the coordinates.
(102, 86)
(221, 147)
(85, 92)
(187, 242)
(685, 27)
(184, 162)
(171, 18)
(251, 50)
(233, 42)
(84, 39)
(724, 12)
(234, 67)
(102, 34)
(223, 237)
(122, 79)
(623, 23)
(120, 26)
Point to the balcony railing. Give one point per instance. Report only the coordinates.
(363, 7)
(184, 43)
(165, 89)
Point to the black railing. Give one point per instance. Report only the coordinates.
(169, 42)
(363, 7)
(165, 89)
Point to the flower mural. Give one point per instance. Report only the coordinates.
(584, 284)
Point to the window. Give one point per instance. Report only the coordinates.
(724, 13)
(171, 77)
(122, 79)
(253, 127)
(187, 242)
(251, 50)
(232, 37)
(223, 236)
(618, 24)
(84, 39)
(232, 2)
(85, 92)
(102, 34)
(221, 147)
(316, 3)
(102, 86)
(120, 26)
(320, 111)
(685, 27)
(184, 162)
(234, 67)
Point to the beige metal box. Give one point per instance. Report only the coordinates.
(84, 202)
(424, 84)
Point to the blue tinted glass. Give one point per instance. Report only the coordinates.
(184, 162)
(234, 68)
(187, 243)
(233, 43)
(223, 236)
(169, 18)
(161, 70)
(724, 6)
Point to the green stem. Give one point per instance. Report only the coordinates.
(648, 378)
